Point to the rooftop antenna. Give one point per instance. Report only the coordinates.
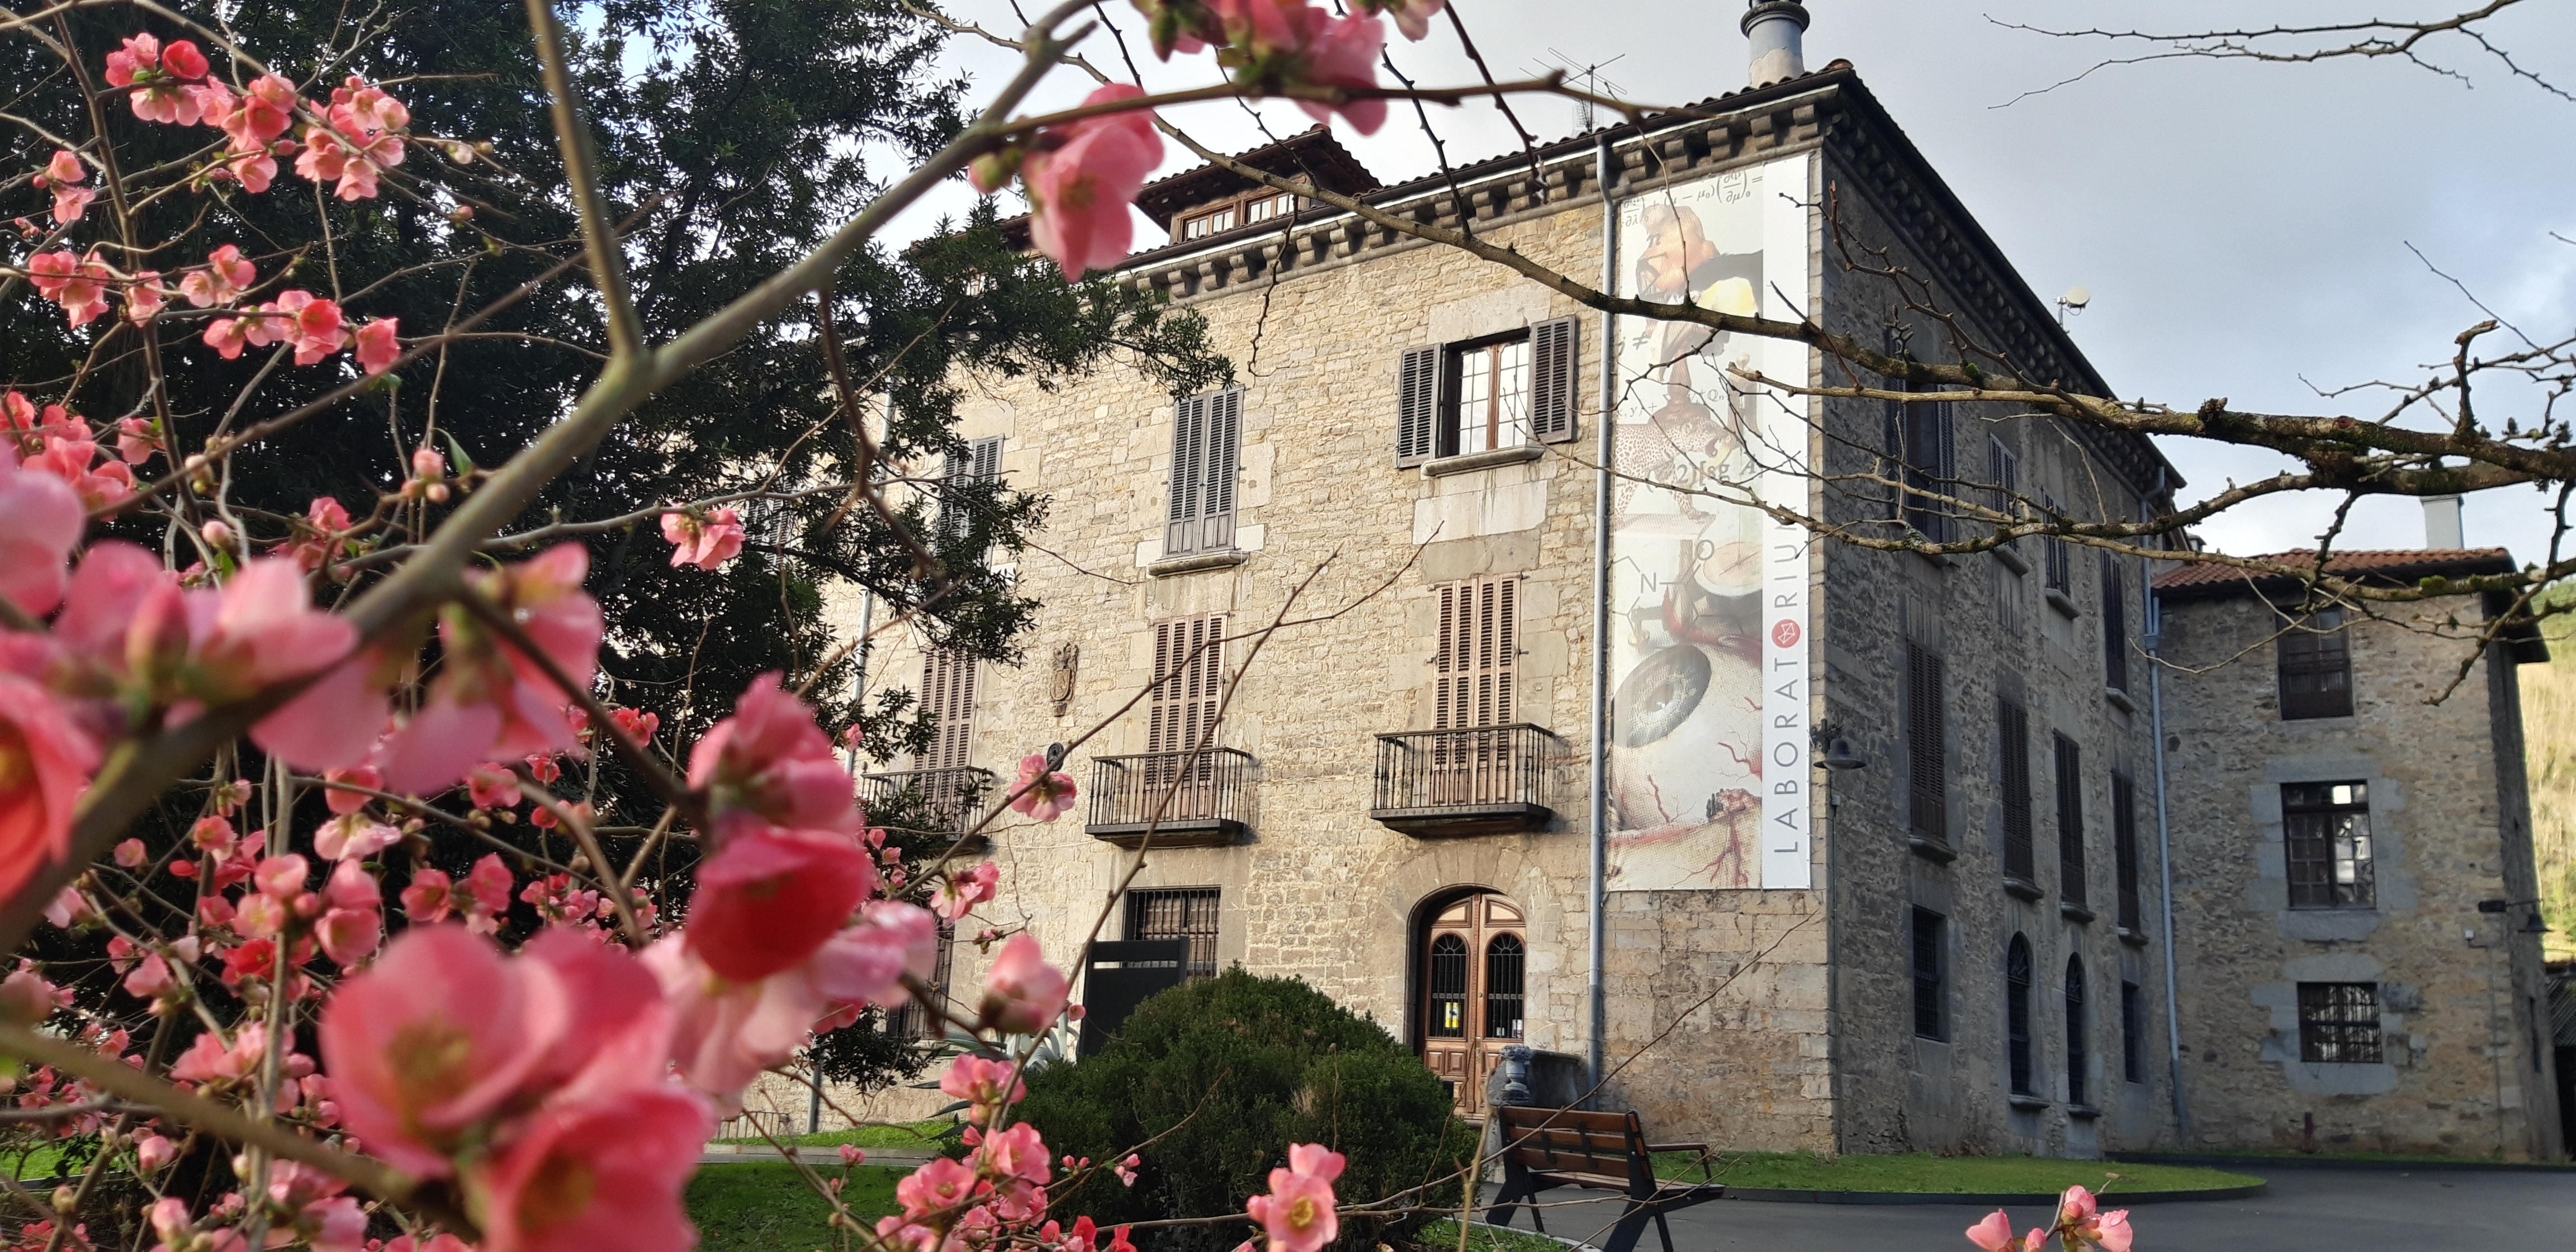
(2072, 302)
(1584, 77)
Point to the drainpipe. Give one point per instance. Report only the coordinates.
(2164, 837)
(1601, 487)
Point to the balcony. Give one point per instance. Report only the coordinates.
(1443, 784)
(936, 801)
(1186, 799)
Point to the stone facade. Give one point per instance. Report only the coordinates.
(2463, 1067)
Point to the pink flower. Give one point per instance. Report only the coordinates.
(1994, 1234)
(64, 168)
(1287, 43)
(958, 894)
(431, 1039)
(1345, 54)
(979, 1082)
(158, 76)
(937, 1187)
(1082, 177)
(601, 1174)
(771, 763)
(264, 113)
(136, 440)
(490, 702)
(1413, 17)
(183, 60)
(851, 1155)
(79, 286)
(343, 800)
(45, 764)
(707, 543)
(40, 519)
(70, 203)
(1022, 993)
(353, 920)
(635, 725)
(377, 348)
(154, 1152)
(491, 787)
(770, 897)
(1298, 1214)
(725, 1032)
(223, 280)
(1315, 1161)
(2080, 1215)
(144, 297)
(1043, 795)
(228, 336)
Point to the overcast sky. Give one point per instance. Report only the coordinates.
(2243, 228)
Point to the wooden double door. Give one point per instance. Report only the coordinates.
(1473, 968)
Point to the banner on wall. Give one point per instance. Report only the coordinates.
(1709, 778)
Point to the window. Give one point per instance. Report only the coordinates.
(2339, 1022)
(2115, 624)
(2017, 1014)
(2078, 1060)
(948, 697)
(1263, 205)
(2057, 556)
(2124, 850)
(2327, 829)
(1448, 988)
(1474, 668)
(1930, 469)
(1266, 207)
(981, 462)
(2070, 820)
(1206, 224)
(909, 1020)
(1186, 913)
(1505, 960)
(2133, 1032)
(1191, 654)
(2012, 736)
(1206, 434)
(2003, 474)
(1505, 392)
(2316, 667)
(1927, 785)
(1928, 998)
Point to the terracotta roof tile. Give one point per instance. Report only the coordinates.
(2397, 564)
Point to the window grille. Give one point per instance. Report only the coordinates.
(2017, 1014)
(948, 697)
(1927, 781)
(2078, 1058)
(1505, 960)
(2124, 849)
(2133, 1032)
(2012, 735)
(1207, 433)
(2070, 820)
(2316, 667)
(1182, 913)
(1448, 988)
(1928, 993)
(2115, 624)
(2339, 1023)
(909, 1020)
(2326, 832)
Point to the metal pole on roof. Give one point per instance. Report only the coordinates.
(1599, 808)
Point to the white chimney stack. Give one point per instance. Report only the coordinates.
(1774, 29)
(2442, 523)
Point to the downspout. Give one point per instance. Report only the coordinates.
(2164, 836)
(1599, 806)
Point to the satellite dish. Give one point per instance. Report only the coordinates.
(2076, 297)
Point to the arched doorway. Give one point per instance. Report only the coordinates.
(1471, 965)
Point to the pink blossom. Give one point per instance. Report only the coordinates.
(345, 800)
(978, 1081)
(150, 978)
(939, 1186)
(45, 764)
(1298, 1214)
(253, 170)
(1083, 176)
(958, 894)
(851, 1155)
(228, 336)
(1022, 993)
(1315, 1161)
(154, 1152)
(79, 286)
(770, 897)
(725, 1033)
(264, 113)
(65, 167)
(223, 280)
(70, 203)
(490, 702)
(209, 1060)
(601, 1174)
(353, 921)
(1285, 43)
(1126, 1171)
(40, 519)
(26, 998)
(706, 543)
(1043, 794)
(130, 854)
(136, 440)
(1413, 17)
(183, 60)
(431, 1039)
(377, 348)
(144, 297)
(622, 1039)
(769, 762)
(73, 461)
(1017, 1153)
(2079, 1215)
(491, 787)
(158, 75)
(635, 725)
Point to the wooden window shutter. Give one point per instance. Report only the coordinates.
(1189, 447)
(1417, 405)
(1928, 785)
(1190, 654)
(1207, 433)
(2012, 735)
(1474, 669)
(2070, 820)
(1555, 364)
(981, 461)
(1224, 446)
(2115, 624)
(948, 695)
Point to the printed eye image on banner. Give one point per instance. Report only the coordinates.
(1709, 612)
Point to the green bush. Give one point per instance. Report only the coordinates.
(1229, 1071)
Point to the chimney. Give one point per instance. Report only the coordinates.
(1774, 28)
(2442, 523)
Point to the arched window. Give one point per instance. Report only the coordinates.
(2075, 1032)
(1448, 988)
(1504, 959)
(2017, 1012)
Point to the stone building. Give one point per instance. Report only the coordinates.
(2352, 865)
(1542, 754)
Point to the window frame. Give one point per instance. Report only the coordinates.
(1928, 933)
(2071, 870)
(2115, 624)
(1928, 453)
(1207, 455)
(2308, 650)
(2133, 1032)
(2124, 852)
(1927, 782)
(2079, 1053)
(2340, 1017)
(2345, 843)
(1449, 434)
(1141, 924)
(2012, 746)
(2021, 1066)
(1237, 210)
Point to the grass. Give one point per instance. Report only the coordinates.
(1442, 1236)
(766, 1206)
(2549, 731)
(919, 1136)
(1955, 1175)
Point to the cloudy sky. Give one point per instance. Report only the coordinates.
(2244, 229)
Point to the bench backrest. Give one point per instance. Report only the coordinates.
(1572, 1141)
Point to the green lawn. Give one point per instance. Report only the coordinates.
(766, 1206)
(1923, 1172)
(919, 1136)
(1442, 1236)
(2397, 1158)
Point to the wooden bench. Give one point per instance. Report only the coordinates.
(1545, 1148)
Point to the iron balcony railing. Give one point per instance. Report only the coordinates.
(1484, 780)
(1210, 797)
(949, 800)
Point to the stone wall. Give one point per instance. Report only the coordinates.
(2449, 825)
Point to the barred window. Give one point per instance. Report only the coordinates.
(2133, 1032)
(1186, 913)
(2339, 1022)
(2316, 667)
(2078, 1056)
(2012, 738)
(2124, 850)
(1928, 996)
(1927, 786)
(2017, 1014)
(2327, 830)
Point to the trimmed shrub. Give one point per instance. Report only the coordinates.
(1220, 1076)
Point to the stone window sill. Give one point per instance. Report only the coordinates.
(2133, 937)
(1473, 461)
(2082, 1112)
(2074, 912)
(2120, 700)
(1197, 562)
(2021, 888)
(2063, 603)
(1936, 851)
(2012, 558)
(2026, 1103)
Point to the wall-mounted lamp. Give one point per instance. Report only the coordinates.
(1839, 755)
(2531, 922)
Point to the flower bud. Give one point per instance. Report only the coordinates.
(217, 534)
(428, 464)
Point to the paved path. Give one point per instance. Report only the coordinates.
(2306, 1210)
